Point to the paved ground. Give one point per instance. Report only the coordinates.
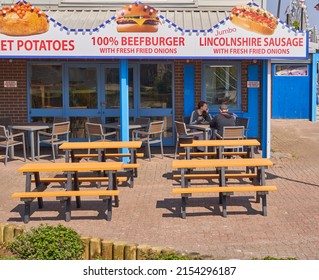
(149, 213)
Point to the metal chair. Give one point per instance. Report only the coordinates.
(95, 132)
(243, 122)
(153, 135)
(10, 140)
(60, 134)
(232, 133)
(181, 130)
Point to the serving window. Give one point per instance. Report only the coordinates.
(221, 84)
(291, 70)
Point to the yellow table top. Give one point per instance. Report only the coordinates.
(101, 145)
(72, 166)
(221, 143)
(214, 163)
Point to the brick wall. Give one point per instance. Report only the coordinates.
(13, 101)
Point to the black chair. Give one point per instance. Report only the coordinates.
(243, 122)
(59, 119)
(6, 122)
(97, 120)
(182, 131)
(145, 122)
(186, 120)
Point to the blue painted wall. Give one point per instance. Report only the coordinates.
(315, 61)
(291, 96)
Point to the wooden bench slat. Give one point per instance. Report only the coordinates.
(65, 196)
(215, 176)
(216, 163)
(261, 192)
(202, 154)
(112, 155)
(65, 193)
(224, 189)
(234, 153)
(81, 179)
(70, 166)
(195, 154)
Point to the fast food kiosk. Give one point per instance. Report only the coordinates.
(126, 59)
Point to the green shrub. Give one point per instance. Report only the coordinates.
(269, 258)
(47, 242)
(169, 256)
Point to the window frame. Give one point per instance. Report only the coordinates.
(215, 108)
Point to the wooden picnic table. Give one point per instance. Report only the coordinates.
(71, 149)
(221, 144)
(186, 167)
(68, 168)
(71, 170)
(101, 146)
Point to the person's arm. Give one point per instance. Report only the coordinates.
(193, 119)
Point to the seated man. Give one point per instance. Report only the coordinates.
(224, 118)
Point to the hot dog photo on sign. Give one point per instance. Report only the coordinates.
(254, 19)
(22, 19)
(137, 18)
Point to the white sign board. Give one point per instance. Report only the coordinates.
(253, 84)
(10, 84)
(224, 40)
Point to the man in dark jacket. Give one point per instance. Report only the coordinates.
(224, 118)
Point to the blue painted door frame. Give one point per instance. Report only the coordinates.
(253, 104)
(189, 89)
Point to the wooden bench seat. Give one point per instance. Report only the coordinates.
(49, 180)
(198, 154)
(261, 191)
(213, 154)
(28, 197)
(215, 176)
(130, 167)
(107, 155)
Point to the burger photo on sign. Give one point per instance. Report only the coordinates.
(254, 19)
(137, 18)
